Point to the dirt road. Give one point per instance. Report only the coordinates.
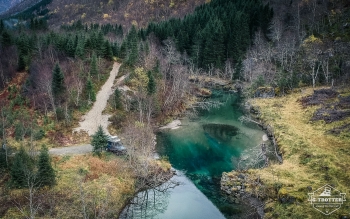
(94, 117)
(81, 149)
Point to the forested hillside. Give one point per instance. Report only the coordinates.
(216, 32)
(124, 12)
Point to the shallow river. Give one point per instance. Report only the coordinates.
(200, 150)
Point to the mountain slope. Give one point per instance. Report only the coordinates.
(6, 4)
(124, 12)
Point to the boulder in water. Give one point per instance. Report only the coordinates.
(221, 131)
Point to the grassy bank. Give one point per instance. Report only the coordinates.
(312, 158)
(86, 185)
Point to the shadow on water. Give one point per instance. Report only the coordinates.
(202, 149)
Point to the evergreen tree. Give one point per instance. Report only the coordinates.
(21, 62)
(122, 52)
(93, 65)
(120, 30)
(70, 49)
(238, 70)
(6, 39)
(3, 164)
(214, 50)
(46, 174)
(21, 167)
(108, 54)
(90, 92)
(100, 44)
(80, 50)
(2, 25)
(151, 86)
(58, 87)
(156, 69)
(99, 141)
(118, 103)
(115, 49)
(133, 46)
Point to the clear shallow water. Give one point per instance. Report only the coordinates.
(183, 201)
(202, 149)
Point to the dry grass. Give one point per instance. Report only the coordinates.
(311, 157)
(101, 179)
(105, 185)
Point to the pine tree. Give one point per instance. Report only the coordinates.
(120, 30)
(80, 50)
(133, 46)
(151, 86)
(100, 44)
(46, 174)
(70, 49)
(156, 69)
(122, 52)
(115, 49)
(99, 141)
(93, 65)
(3, 163)
(2, 26)
(90, 92)
(238, 70)
(6, 39)
(22, 164)
(58, 87)
(108, 54)
(21, 62)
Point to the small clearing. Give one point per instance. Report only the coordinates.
(94, 117)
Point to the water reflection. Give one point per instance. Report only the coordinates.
(151, 202)
(178, 198)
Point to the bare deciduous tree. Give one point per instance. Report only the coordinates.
(34, 202)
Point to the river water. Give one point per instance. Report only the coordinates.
(200, 150)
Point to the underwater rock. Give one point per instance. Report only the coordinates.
(221, 131)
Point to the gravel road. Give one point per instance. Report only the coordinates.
(94, 117)
(81, 149)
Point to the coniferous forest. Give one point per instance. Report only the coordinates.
(216, 32)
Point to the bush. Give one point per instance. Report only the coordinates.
(117, 120)
(38, 135)
(60, 114)
(18, 131)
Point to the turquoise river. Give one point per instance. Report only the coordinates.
(200, 150)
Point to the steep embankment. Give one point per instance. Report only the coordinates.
(312, 156)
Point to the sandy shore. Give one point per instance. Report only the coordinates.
(173, 125)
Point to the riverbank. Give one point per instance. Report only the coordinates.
(312, 157)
